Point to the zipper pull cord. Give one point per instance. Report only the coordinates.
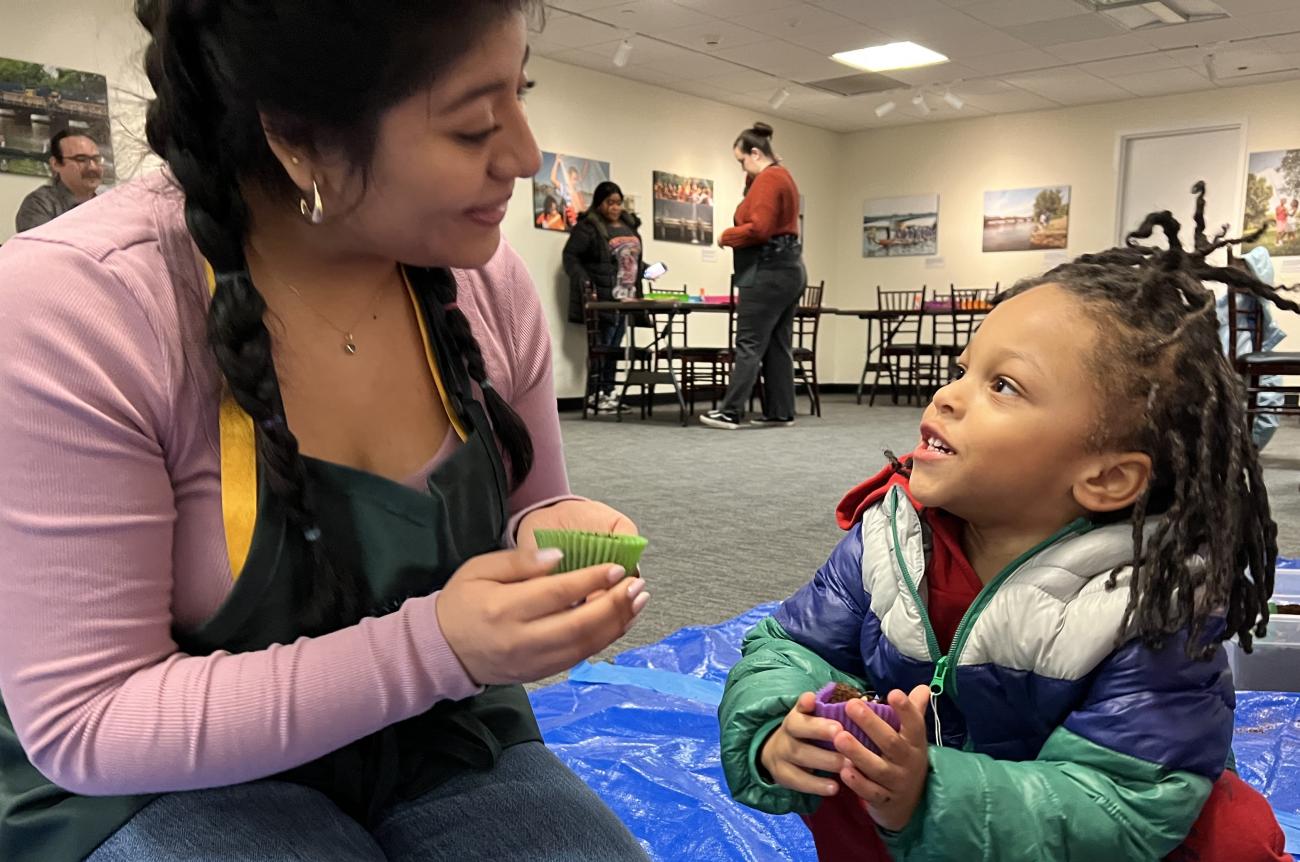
(936, 691)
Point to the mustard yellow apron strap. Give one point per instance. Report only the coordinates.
(239, 448)
(432, 359)
(238, 472)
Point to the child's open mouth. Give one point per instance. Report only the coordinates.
(933, 445)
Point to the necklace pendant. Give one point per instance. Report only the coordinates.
(350, 346)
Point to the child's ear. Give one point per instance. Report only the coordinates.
(1113, 481)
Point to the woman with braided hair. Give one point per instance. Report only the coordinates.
(272, 420)
(1041, 589)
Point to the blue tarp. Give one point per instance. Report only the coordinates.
(643, 733)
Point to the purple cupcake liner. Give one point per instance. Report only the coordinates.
(839, 712)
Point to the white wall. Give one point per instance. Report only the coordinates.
(639, 129)
(89, 36)
(961, 160)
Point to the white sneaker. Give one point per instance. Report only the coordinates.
(609, 403)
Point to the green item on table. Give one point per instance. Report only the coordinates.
(582, 549)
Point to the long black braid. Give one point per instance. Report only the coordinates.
(1171, 393)
(219, 70)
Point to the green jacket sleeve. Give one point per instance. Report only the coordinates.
(1076, 801)
(761, 689)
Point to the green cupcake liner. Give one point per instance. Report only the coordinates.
(583, 549)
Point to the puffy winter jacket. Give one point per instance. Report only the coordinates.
(588, 260)
(1057, 742)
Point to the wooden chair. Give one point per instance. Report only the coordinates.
(807, 322)
(905, 353)
(708, 369)
(598, 354)
(1257, 363)
(953, 329)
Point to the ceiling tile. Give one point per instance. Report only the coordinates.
(800, 20)
(645, 51)
(1242, 8)
(571, 31)
(1100, 49)
(730, 8)
(1006, 13)
(1012, 61)
(1012, 101)
(786, 61)
(724, 34)
(1163, 82)
(1134, 65)
(579, 5)
(744, 81)
(942, 74)
(1080, 28)
(650, 16)
(848, 37)
(1069, 87)
(952, 33)
(878, 13)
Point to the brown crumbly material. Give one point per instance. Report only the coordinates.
(1288, 609)
(843, 693)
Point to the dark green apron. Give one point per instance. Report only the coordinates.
(403, 543)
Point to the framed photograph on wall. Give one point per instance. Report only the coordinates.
(683, 209)
(1273, 200)
(1035, 219)
(901, 227)
(38, 101)
(562, 189)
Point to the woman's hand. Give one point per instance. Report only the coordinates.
(587, 515)
(892, 782)
(508, 622)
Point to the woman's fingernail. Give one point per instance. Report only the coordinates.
(639, 602)
(616, 574)
(549, 556)
(634, 589)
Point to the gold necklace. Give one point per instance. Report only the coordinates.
(349, 342)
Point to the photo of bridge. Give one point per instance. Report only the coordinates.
(38, 101)
(900, 227)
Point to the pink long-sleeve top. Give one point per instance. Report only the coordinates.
(111, 526)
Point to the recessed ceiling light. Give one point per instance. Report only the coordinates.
(887, 58)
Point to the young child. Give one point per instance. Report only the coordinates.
(1041, 589)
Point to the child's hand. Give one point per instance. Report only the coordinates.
(790, 758)
(892, 782)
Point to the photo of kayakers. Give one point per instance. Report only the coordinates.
(901, 227)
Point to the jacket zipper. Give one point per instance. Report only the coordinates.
(946, 664)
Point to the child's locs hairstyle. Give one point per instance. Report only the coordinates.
(1204, 543)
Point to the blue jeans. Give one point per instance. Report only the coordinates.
(530, 806)
(611, 335)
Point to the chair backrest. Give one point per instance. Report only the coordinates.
(964, 309)
(591, 318)
(670, 328)
(910, 305)
(807, 317)
(1244, 318)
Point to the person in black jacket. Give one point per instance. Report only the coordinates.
(604, 256)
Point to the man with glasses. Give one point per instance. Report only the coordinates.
(78, 169)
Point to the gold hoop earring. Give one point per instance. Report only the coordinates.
(317, 213)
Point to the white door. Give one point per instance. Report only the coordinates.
(1157, 171)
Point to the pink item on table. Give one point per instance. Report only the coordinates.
(832, 703)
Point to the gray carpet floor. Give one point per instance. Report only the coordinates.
(736, 518)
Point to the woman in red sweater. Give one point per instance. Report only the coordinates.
(769, 272)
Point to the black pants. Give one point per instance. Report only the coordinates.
(764, 331)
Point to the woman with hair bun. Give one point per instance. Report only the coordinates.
(770, 275)
(274, 421)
